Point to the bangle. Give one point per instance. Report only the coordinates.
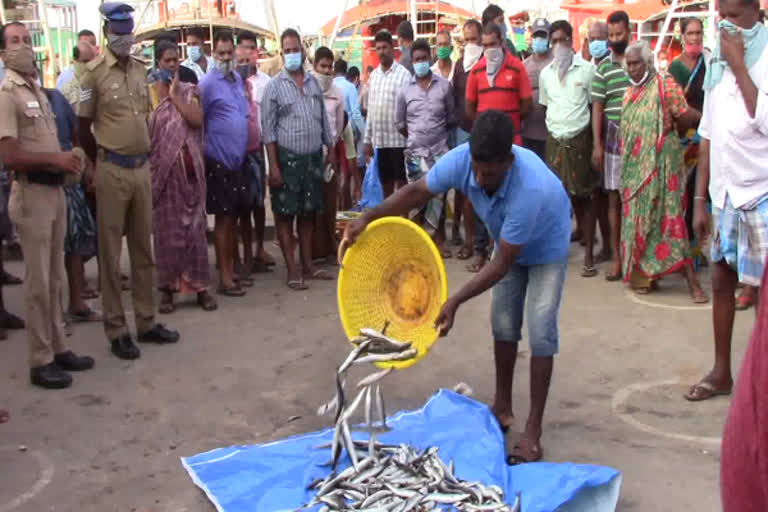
(700, 197)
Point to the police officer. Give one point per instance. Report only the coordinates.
(30, 148)
(115, 104)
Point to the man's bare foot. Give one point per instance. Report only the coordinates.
(4, 416)
(698, 295)
(527, 449)
(504, 416)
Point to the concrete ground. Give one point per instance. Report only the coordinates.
(113, 441)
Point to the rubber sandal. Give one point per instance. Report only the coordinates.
(588, 271)
(613, 277)
(465, 253)
(85, 316)
(297, 285)
(207, 302)
(704, 390)
(743, 303)
(243, 281)
(321, 275)
(525, 451)
(231, 291)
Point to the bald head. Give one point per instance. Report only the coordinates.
(598, 31)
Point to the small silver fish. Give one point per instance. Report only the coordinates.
(386, 358)
(374, 377)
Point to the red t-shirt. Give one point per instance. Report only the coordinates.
(744, 453)
(510, 86)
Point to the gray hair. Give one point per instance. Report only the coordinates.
(646, 53)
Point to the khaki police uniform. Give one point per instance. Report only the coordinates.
(38, 208)
(116, 99)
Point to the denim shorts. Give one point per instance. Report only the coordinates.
(542, 286)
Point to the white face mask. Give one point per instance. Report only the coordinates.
(325, 81)
(494, 57)
(472, 54)
(642, 80)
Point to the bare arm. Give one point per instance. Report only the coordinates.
(20, 160)
(401, 202)
(747, 87)
(700, 217)
(192, 112)
(689, 119)
(87, 142)
(598, 154)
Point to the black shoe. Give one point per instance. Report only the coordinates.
(50, 376)
(159, 335)
(71, 362)
(124, 348)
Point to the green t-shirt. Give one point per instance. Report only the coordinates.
(610, 83)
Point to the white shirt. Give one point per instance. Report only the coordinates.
(738, 151)
(259, 82)
(194, 66)
(436, 69)
(380, 129)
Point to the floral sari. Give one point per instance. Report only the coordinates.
(654, 239)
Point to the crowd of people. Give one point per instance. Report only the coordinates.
(641, 154)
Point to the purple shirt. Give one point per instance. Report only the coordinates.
(225, 113)
(428, 115)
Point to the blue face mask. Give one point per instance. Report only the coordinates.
(598, 49)
(540, 45)
(421, 69)
(194, 53)
(292, 61)
(503, 27)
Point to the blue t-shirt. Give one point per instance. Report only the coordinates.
(530, 209)
(225, 114)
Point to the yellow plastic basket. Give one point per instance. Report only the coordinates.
(393, 275)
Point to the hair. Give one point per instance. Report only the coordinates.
(618, 17)
(684, 22)
(444, 32)
(163, 46)
(474, 24)
(6, 27)
(492, 136)
(289, 32)
(491, 12)
(223, 36)
(603, 28)
(247, 35)
(492, 28)
(323, 53)
(405, 31)
(423, 45)
(86, 33)
(167, 36)
(383, 36)
(353, 73)
(340, 67)
(197, 32)
(561, 25)
(646, 53)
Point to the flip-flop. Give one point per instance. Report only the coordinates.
(588, 271)
(613, 277)
(207, 302)
(244, 281)
(231, 291)
(744, 302)
(320, 275)
(465, 253)
(524, 452)
(85, 316)
(704, 390)
(297, 285)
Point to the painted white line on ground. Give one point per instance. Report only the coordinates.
(639, 300)
(46, 475)
(622, 395)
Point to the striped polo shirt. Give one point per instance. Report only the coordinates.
(510, 86)
(608, 87)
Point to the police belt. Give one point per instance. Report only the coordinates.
(51, 179)
(128, 162)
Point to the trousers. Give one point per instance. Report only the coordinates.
(124, 207)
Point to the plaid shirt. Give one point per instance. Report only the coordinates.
(295, 120)
(380, 129)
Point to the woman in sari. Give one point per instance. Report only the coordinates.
(654, 239)
(178, 185)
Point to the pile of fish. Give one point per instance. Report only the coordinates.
(384, 477)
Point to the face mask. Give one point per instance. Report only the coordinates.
(224, 66)
(421, 69)
(503, 27)
(472, 54)
(618, 47)
(325, 81)
(598, 49)
(540, 45)
(747, 34)
(642, 80)
(444, 52)
(494, 57)
(121, 44)
(694, 50)
(164, 76)
(563, 56)
(244, 71)
(194, 53)
(20, 59)
(292, 61)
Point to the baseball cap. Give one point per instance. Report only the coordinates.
(540, 25)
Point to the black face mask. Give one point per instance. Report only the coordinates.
(244, 71)
(618, 47)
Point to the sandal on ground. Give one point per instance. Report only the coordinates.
(206, 301)
(89, 294)
(320, 275)
(525, 451)
(613, 277)
(166, 306)
(244, 281)
(230, 291)
(7, 279)
(744, 302)
(10, 321)
(477, 264)
(86, 315)
(588, 271)
(704, 390)
(297, 285)
(699, 297)
(465, 253)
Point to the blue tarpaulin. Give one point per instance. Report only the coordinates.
(274, 476)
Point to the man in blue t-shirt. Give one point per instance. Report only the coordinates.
(527, 211)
